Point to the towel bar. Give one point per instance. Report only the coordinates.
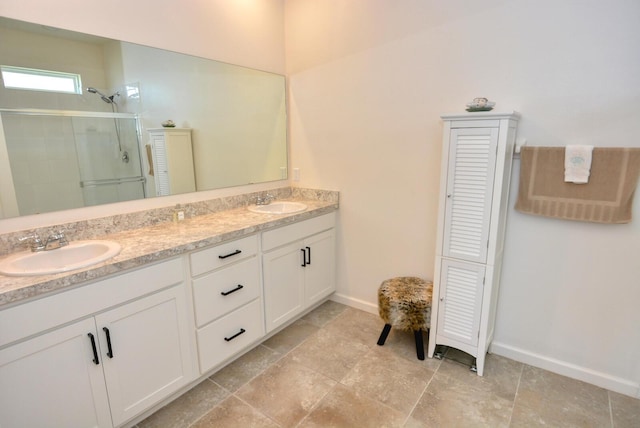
(520, 142)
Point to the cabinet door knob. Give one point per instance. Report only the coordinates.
(449, 195)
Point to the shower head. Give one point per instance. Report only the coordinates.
(106, 99)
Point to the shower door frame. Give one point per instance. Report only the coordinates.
(8, 199)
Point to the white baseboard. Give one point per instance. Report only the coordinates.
(355, 303)
(604, 380)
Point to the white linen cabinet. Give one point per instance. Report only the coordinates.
(173, 160)
(477, 154)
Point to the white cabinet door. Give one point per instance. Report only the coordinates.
(461, 287)
(298, 275)
(320, 272)
(283, 284)
(53, 381)
(160, 165)
(145, 351)
(472, 158)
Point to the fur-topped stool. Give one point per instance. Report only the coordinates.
(405, 303)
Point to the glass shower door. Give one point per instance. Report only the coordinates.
(108, 159)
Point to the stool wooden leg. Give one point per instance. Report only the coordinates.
(384, 334)
(419, 344)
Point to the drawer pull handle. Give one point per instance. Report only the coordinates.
(230, 254)
(95, 350)
(226, 293)
(229, 339)
(304, 257)
(110, 351)
(309, 255)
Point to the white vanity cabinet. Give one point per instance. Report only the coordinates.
(476, 168)
(227, 300)
(97, 355)
(101, 354)
(298, 268)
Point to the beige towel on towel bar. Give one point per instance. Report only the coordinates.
(607, 198)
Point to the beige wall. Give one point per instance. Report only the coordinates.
(238, 118)
(369, 79)
(368, 82)
(242, 32)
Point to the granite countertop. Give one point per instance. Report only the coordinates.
(159, 242)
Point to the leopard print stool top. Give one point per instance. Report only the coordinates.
(405, 303)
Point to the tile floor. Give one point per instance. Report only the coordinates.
(326, 370)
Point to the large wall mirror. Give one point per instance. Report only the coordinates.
(107, 143)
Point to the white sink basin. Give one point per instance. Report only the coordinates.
(76, 255)
(280, 207)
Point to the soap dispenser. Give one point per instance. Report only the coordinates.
(178, 213)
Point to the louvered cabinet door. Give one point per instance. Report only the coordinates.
(472, 159)
(160, 165)
(461, 287)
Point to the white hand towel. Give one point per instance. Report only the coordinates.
(577, 163)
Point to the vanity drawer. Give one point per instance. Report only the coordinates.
(224, 290)
(221, 339)
(223, 254)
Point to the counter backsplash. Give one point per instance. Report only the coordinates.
(92, 228)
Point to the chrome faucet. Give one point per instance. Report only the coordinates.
(56, 240)
(264, 200)
(36, 244)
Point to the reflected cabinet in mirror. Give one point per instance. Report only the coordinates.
(99, 141)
